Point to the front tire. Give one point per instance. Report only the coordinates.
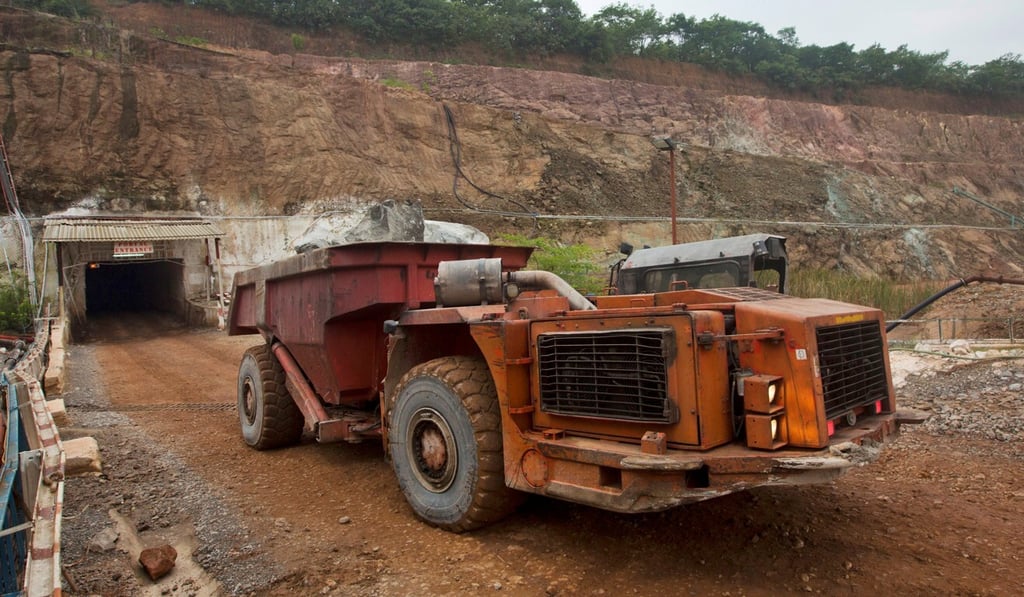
(268, 415)
(446, 444)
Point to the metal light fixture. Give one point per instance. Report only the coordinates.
(667, 144)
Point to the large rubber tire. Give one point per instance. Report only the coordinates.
(446, 444)
(266, 411)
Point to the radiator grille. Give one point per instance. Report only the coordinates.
(619, 375)
(852, 366)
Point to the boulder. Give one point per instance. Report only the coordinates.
(450, 232)
(386, 221)
(82, 457)
(400, 221)
(158, 561)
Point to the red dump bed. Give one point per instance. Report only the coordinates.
(328, 306)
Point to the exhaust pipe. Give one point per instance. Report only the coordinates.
(540, 280)
(480, 282)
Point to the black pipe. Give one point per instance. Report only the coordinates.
(959, 284)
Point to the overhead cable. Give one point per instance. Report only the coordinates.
(455, 149)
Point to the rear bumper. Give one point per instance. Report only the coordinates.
(621, 478)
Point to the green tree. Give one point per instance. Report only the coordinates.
(875, 65)
(732, 46)
(1002, 76)
(915, 70)
(631, 30)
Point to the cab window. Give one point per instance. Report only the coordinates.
(715, 275)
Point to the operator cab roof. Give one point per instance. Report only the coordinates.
(722, 248)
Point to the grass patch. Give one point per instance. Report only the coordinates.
(88, 53)
(894, 298)
(190, 40)
(428, 80)
(393, 82)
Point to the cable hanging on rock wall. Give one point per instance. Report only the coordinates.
(25, 232)
(455, 148)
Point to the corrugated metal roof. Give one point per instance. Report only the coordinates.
(83, 230)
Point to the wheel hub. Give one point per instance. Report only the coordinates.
(432, 450)
(249, 401)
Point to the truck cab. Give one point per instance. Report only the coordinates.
(757, 260)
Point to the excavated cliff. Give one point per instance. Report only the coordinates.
(100, 117)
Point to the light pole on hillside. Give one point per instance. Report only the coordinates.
(667, 144)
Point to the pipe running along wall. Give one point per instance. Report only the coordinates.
(957, 285)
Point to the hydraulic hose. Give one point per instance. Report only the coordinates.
(958, 284)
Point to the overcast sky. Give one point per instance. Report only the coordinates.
(974, 32)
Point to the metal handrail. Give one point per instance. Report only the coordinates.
(1010, 322)
(968, 195)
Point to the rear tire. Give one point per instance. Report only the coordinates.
(268, 415)
(446, 445)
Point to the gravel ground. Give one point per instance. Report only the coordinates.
(980, 394)
(154, 490)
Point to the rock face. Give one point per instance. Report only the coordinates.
(106, 119)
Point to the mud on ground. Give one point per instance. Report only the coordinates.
(939, 513)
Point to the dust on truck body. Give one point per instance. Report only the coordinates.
(486, 383)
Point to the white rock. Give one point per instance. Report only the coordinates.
(959, 347)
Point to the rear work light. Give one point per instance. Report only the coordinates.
(764, 405)
(766, 432)
(763, 394)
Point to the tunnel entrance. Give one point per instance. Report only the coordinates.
(166, 266)
(112, 286)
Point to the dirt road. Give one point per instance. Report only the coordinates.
(937, 514)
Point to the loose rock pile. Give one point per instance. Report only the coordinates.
(980, 394)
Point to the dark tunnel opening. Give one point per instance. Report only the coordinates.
(112, 286)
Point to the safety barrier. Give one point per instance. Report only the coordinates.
(34, 497)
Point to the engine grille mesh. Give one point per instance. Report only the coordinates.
(852, 366)
(619, 375)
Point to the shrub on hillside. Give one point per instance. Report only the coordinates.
(15, 306)
(576, 264)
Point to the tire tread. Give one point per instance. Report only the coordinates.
(282, 420)
(470, 380)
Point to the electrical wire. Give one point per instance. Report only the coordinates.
(42, 289)
(14, 207)
(7, 260)
(455, 150)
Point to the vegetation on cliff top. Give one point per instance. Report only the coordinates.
(518, 28)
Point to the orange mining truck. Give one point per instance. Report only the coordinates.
(485, 383)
